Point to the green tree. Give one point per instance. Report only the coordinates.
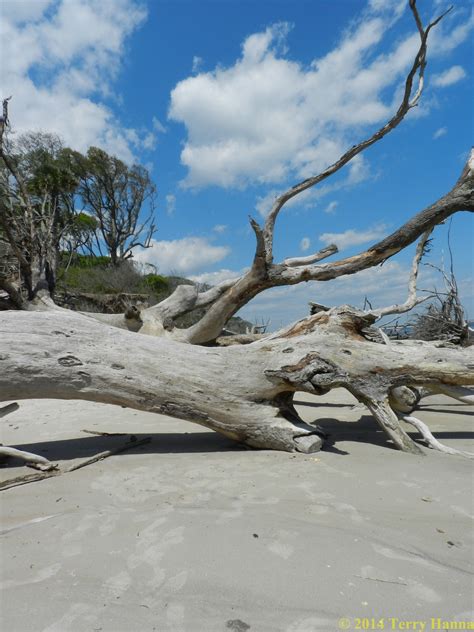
(38, 181)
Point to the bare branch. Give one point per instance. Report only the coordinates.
(318, 256)
(460, 198)
(432, 442)
(412, 299)
(260, 252)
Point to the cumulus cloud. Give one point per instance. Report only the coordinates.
(220, 228)
(267, 118)
(158, 125)
(27, 10)
(182, 256)
(445, 37)
(59, 59)
(305, 243)
(356, 171)
(197, 63)
(442, 131)
(449, 77)
(352, 237)
(330, 209)
(219, 276)
(170, 204)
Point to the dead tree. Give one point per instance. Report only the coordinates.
(138, 359)
(114, 194)
(444, 318)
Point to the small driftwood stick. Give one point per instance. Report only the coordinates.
(28, 478)
(31, 460)
(9, 408)
(32, 478)
(432, 442)
(107, 453)
(106, 434)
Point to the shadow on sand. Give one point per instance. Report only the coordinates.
(364, 430)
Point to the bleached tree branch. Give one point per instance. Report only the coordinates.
(314, 258)
(413, 300)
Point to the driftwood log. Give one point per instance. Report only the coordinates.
(244, 392)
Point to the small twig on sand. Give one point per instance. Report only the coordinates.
(104, 455)
(105, 434)
(9, 408)
(31, 478)
(384, 581)
(28, 478)
(31, 460)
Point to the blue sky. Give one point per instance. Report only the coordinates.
(229, 102)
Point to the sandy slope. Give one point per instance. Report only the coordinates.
(193, 533)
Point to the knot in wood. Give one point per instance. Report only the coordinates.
(69, 360)
(312, 371)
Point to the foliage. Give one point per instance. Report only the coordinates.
(79, 260)
(96, 275)
(155, 283)
(41, 183)
(38, 178)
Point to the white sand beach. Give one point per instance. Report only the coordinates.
(193, 533)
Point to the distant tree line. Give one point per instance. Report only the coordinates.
(58, 205)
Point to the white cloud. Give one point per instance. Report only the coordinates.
(220, 228)
(157, 125)
(170, 204)
(183, 256)
(305, 243)
(442, 131)
(443, 39)
(356, 171)
(197, 63)
(219, 276)
(59, 66)
(330, 209)
(267, 118)
(23, 11)
(449, 77)
(352, 237)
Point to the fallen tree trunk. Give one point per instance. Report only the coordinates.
(243, 392)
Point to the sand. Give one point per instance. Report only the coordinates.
(193, 533)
